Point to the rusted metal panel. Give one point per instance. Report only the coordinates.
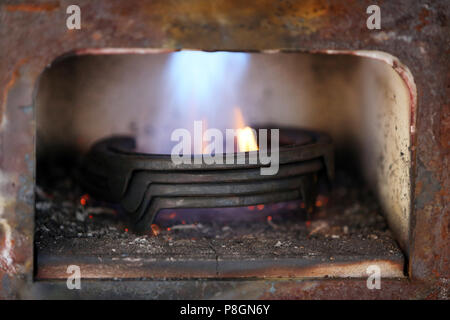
(238, 289)
(33, 34)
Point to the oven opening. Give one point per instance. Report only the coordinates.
(110, 199)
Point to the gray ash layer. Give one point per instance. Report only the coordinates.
(67, 220)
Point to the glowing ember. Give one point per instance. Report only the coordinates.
(321, 201)
(260, 207)
(84, 199)
(155, 229)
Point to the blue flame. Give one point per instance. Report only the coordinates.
(202, 78)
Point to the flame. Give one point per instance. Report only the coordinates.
(155, 229)
(204, 143)
(247, 140)
(246, 136)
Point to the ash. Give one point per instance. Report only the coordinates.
(69, 219)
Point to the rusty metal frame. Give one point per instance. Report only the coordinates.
(33, 34)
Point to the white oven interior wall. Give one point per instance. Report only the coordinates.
(361, 102)
(386, 144)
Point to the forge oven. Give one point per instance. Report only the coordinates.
(272, 149)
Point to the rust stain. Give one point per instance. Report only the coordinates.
(6, 260)
(424, 14)
(306, 16)
(96, 36)
(32, 7)
(445, 128)
(9, 85)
